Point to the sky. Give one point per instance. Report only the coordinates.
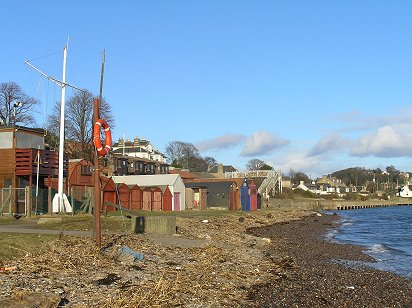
(313, 86)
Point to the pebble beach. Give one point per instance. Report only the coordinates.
(272, 258)
(315, 272)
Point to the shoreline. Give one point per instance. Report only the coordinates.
(306, 275)
(272, 258)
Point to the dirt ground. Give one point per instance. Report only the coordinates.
(210, 262)
(271, 258)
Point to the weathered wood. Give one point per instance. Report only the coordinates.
(160, 225)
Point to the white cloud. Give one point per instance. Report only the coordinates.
(261, 143)
(332, 142)
(221, 142)
(385, 142)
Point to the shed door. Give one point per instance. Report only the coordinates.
(136, 198)
(124, 196)
(167, 200)
(109, 196)
(157, 200)
(147, 199)
(176, 197)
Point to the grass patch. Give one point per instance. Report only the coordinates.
(4, 220)
(84, 222)
(14, 245)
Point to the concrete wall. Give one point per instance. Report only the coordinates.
(319, 204)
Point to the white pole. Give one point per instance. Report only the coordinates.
(61, 140)
(38, 175)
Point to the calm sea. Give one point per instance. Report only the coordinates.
(385, 232)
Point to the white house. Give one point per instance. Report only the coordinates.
(173, 181)
(406, 191)
(139, 147)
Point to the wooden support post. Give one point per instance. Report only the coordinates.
(28, 200)
(49, 207)
(97, 200)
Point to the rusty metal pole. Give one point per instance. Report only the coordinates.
(97, 199)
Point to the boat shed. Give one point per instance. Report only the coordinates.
(172, 181)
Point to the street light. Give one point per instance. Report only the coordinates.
(15, 105)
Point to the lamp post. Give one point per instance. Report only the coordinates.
(14, 141)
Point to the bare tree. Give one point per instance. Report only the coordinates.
(255, 164)
(179, 153)
(79, 122)
(297, 176)
(11, 93)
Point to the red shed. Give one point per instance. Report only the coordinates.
(157, 199)
(136, 198)
(167, 199)
(109, 192)
(253, 196)
(124, 195)
(80, 173)
(147, 199)
(234, 197)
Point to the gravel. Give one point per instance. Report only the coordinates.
(312, 272)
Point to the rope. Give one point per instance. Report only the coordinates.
(42, 57)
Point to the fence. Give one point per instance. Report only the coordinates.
(26, 201)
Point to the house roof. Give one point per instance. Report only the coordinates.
(39, 131)
(130, 150)
(147, 180)
(184, 174)
(229, 168)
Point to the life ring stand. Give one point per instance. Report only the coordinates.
(102, 150)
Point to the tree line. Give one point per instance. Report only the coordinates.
(78, 118)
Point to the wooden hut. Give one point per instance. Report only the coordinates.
(147, 199)
(109, 193)
(136, 198)
(148, 182)
(124, 195)
(167, 199)
(157, 199)
(253, 196)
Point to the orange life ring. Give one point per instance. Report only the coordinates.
(102, 150)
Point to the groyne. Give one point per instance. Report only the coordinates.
(335, 205)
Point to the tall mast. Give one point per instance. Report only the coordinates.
(59, 198)
(61, 139)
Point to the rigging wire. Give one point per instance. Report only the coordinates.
(49, 55)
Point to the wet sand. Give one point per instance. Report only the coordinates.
(306, 274)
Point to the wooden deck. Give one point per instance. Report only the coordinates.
(27, 161)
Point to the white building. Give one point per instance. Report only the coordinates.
(173, 181)
(406, 191)
(139, 147)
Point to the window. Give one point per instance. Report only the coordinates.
(86, 170)
(7, 182)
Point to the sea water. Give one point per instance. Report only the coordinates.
(384, 232)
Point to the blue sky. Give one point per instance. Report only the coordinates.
(316, 86)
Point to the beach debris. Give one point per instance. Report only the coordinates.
(8, 268)
(108, 280)
(127, 254)
(63, 302)
(205, 221)
(319, 214)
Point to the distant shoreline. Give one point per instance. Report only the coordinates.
(322, 204)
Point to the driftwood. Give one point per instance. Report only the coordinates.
(218, 273)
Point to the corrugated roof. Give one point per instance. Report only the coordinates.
(147, 180)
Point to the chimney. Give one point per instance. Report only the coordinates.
(220, 168)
